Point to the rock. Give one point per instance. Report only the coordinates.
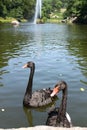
(15, 22)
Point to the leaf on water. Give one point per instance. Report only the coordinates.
(2, 110)
(82, 89)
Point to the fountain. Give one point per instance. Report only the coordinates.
(37, 10)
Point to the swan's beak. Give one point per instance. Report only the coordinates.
(55, 91)
(25, 66)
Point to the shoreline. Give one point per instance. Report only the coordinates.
(43, 127)
(10, 19)
(51, 20)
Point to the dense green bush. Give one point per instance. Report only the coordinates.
(26, 8)
(77, 8)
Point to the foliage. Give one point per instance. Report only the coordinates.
(77, 8)
(26, 8)
(50, 6)
(17, 8)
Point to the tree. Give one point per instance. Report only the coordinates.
(77, 8)
(50, 6)
(17, 8)
(28, 8)
(3, 10)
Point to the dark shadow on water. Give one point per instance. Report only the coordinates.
(30, 111)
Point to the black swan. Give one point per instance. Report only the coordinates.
(59, 117)
(38, 98)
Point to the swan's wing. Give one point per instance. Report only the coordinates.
(69, 119)
(40, 98)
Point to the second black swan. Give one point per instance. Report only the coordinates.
(59, 117)
(38, 98)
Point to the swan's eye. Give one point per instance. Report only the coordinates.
(29, 64)
(62, 86)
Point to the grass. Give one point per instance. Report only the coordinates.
(53, 21)
(57, 16)
(9, 20)
(6, 20)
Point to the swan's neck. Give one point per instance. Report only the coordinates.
(62, 109)
(30, 82)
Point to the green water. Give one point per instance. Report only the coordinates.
(59, 52)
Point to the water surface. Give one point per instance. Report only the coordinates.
(59, 52)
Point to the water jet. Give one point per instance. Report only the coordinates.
(37, 10)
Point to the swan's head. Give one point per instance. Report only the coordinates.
(29, 64)
(61, 85)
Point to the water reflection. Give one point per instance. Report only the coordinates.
(60, 53)
(28, 113)
(77, 46)
(32, 113)
(10, 47)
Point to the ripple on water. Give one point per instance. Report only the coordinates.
(58, 51)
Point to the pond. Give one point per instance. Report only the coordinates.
(59, 52)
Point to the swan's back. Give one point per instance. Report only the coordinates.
(39, 98)
(54, 119)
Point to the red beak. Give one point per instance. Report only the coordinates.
(25, 66)
(55, 91)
